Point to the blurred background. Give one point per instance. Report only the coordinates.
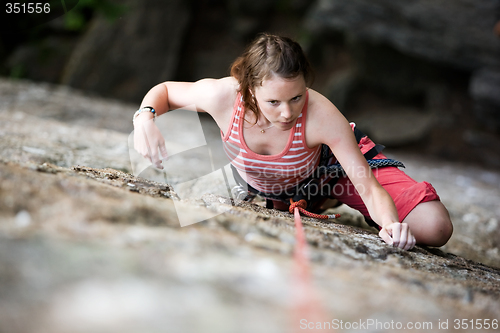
(419, 75)
(87, 247)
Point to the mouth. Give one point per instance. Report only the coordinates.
(286, 123)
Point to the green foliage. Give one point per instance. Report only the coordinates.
(78, 18)
(74, 20)
(17, 72)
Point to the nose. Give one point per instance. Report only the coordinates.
(286, 111)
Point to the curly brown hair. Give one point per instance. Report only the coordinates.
(266, 56)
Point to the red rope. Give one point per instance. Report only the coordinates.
(306, 303)
(302, 205)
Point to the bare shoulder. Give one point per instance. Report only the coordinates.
(224, 93)
(219, 98)
(206, 95)
(325, 123)
(320, 106)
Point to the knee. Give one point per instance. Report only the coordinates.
(433, 230)
(441, 230)
(439, 227)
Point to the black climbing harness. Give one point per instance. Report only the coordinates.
(312, 188)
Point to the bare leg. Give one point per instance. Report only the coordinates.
(430, 223)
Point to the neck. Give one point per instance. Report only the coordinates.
(261, 121)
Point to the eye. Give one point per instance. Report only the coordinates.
(274, 103)
(296, 98)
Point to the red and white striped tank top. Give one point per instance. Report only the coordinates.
(271, 173)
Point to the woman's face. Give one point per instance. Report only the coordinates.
(281, 100)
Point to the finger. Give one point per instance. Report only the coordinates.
(412, 242)
(146, 156)
(140, 145)
(404, 236)
(149, 155)
(396, 234)
(147, 150)
(156, 158)
(143, 151)
(385, 236)
(163, 151)
(152, 148)
(154, 154)
(410, 239)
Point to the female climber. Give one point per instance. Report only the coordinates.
(288, 142)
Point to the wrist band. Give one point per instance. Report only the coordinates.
(145, 108)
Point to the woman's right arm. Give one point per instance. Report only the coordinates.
(207, 95)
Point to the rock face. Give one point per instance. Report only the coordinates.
(62, 103)
(397, 126)
(406, 48)
(392, 55)
(458, 33)
(485, 88)
(113, 56)
(88, 248)
(471, 195)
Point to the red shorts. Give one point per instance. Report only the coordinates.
(406, 192)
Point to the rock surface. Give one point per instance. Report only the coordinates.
(90, 249)
(106, 61)
(406, 48)
(367, 54)
(458, 33)
(484, 88)
(396, 127)
(48, 101)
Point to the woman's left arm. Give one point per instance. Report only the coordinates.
(331, 128)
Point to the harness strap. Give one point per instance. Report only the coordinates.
(246, 192)
(338, 170)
